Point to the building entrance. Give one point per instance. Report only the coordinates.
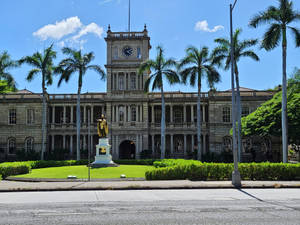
(127, 150)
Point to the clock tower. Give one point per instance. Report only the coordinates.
(125, 52)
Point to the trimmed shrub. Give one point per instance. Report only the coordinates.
(11, 169)
(223, 171)
(147, 162)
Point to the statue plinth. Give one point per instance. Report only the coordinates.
(103, 157)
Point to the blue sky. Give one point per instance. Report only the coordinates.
(31, 25)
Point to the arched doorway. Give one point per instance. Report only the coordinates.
(127, 150)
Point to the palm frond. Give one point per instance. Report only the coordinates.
(172, 76)
(32, 73)
(250, 54)
(272, 37)
(99, 70)
(270, 15)
(296, 33)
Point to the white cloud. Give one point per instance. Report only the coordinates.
(105, 2)
(59, 29)
(203, 26)
(91, 28)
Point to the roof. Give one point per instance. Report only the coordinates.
(24, 91)
(242, 89)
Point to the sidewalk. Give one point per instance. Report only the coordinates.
(12, 186)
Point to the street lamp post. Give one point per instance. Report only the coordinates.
(236, 177)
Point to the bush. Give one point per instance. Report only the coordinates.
(11, 169)
(194, 170)
(147, 162)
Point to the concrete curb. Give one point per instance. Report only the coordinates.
(17, 186)
(23, 179)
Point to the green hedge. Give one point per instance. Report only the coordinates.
(15, 168)
(147, 162)
(223, 171)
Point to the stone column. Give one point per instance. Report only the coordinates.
(64, 115)
(193, 142)
(117, 147)
(53, 114)
(84, 142)
(84, 114)
(152, 136)
(113, 114)
(184, 144)
(192, 114)
(125, 113)
(141, 113)
(117, 114)
(71, 113)
(92, 114)
(71, 144)
(53, 144)
(117, 81)
(172, 143)
(137, 82)
(152, 112)
(203, 113)
(184, 113)
(129, 113)
(204, 143)
(137, 147)
(171, 114)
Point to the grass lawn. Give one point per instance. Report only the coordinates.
(81, 172)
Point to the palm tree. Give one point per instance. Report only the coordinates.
(162, 68)
(7, 63)
(43, 64)
(194, 67)
(222, 55)
(77, 62)
(279, 20)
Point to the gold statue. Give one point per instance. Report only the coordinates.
(102, 127)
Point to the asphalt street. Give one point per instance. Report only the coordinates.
(203, 206)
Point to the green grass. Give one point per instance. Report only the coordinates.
(131, 171)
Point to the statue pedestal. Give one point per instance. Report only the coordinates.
(103, 157)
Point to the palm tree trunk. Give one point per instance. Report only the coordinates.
(284, 101)
(163, 114)
(199, 120)
(238, 106)
(78, 117)
(44, 121)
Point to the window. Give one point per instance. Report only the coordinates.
(157, 115)
(138, 55)
(227, 144)
(12, 116)
(30, 116)
(121, 82)
(132, 82)
(29, 144)
(121, 114)
(178, 116)
(133, 114)
(226, 114)
(11, 146)
(245, 111)
(115, 53)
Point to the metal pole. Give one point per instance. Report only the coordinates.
(236, 177)
(89, 145)
(129, 17)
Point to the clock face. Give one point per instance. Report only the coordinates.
(127, 51)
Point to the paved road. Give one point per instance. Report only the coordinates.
(205, 206)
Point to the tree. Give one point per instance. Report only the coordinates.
(266, 120)
(43, 64)
(222, 56)
(162, 69)
(77, 62)
(5, 88)
(194, 67)
(6, 63)
(279, 20)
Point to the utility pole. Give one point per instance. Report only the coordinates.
(129, 16)
(236, 177)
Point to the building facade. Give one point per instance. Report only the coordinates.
(133, 115)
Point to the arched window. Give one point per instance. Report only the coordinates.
(226, 114)
(11, 145)
(227, 144)
(29, 144)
